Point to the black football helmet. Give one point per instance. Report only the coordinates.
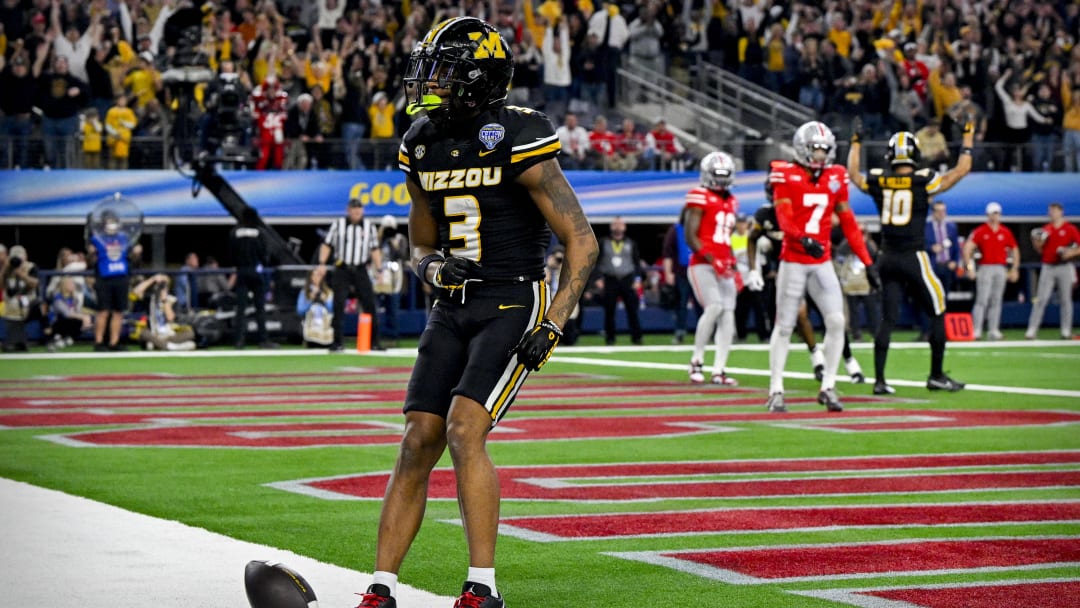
(903, 149)
(466, 55)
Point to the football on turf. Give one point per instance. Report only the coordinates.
(274, 585)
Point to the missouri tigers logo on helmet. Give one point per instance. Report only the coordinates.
(466, 57)
(903, 149)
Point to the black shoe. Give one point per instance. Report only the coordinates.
(238, 346)
(118, 347)
(819, 372)
(880, 388)
(829, 399)
(378, 346)
(337, 349)
(943, 383)
(377, 596)
(636, 341)
(268, 345)
(923, 337)
(100, 348)
(475, 595)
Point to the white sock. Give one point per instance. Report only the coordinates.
(834, 348)
(725, 334)
(484, 576)
(386, 578)
(704, 331)
(778, 352)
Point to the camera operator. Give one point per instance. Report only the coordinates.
(223, 127)
(19, 279)
(250, 255)
(188, 66)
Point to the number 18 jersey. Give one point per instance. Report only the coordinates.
(904, 202)
(717, 223)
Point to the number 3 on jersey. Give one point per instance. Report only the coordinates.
(467, 228)
(896, 207)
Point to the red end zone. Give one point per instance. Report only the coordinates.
(781, 519)
(517, 429)
(1055, 593)
(841, 561)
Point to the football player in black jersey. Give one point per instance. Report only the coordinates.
(765, 224)
(902, 195)
(487, 192)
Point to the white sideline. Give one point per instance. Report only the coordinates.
(64, 550)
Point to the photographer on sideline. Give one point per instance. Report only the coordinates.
(19, 279)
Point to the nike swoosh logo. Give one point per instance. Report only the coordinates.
(485, 153)
(507, 306)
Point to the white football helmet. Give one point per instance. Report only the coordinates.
(815, 145)
(717, 171)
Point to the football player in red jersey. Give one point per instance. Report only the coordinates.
(710, 220)
(806, 193)
(1058, 243)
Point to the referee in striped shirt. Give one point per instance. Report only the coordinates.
(354, 244)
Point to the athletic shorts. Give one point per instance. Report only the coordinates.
(112, 293)
(794, 281)
(465, 348)
(710, 288)
(914, 272)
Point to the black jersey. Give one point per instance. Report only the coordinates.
(765, 221)
(470, 179)
(904, 202)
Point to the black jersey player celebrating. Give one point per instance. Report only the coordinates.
(487, 192)
(902, 195)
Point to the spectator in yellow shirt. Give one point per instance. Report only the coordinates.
(91, 136)
(1071, 124)
(119, 123)
(840, 36)
(143, 82)
(382, 113)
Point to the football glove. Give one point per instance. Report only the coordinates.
(754, 282)
(535, 347)
(813, 248)
(856, 130)
(453, 272)
(873, 277)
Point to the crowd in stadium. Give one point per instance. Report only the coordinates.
(100, 83)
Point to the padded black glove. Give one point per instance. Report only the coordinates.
(813, 248)
(873, 277)
(536, 346)
(856, 130)
(454, 271)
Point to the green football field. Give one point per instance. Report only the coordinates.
(623, 485)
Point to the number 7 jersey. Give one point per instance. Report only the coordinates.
(813, 204)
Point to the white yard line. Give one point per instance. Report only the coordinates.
(63, 550)
(565, 355)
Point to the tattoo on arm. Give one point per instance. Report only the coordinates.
(572, 281)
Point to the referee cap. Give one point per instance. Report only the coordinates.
(355, 202)
(993, 207)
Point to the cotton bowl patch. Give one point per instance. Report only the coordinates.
(491, 134)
